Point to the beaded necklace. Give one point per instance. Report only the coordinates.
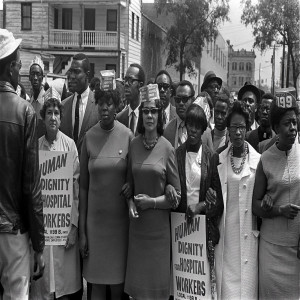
(240, 168)
(152, 145)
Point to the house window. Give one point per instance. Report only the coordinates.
(234, 66)
(234, 83)
(112, 20)
(241, 81)
(137, 28)
(26, 16)
(56, 11)
(248, 66)
(132, 25)
(241, 66)
(67, 18)
(111, 67)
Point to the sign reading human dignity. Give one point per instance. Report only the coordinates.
(191, 275)
(56, 169)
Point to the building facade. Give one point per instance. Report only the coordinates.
(108, 32)
(241, 68)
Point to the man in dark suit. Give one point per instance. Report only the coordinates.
(164, 82)
(80, 111)
(134, 79)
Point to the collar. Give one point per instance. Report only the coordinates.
(136, 111)
(6, 86)
(179, 121)
(55, 140)
(40, 98)
(84, 95)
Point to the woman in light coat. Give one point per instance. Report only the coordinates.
(237, 251)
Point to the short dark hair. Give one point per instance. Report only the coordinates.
(164, 72)
(8, 60)
(84, 58)
(188, 83)
(239, 108)
(196, 115)
(268, 96)
(277, 113)
(160, 122)
(105, 96)
(223, 98)
(38, 66)
(93, 82)
(51, 102)
(141, 73)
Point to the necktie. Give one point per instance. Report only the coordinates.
(182, 134)
(165, 118)
(132, 121)
(76, 123)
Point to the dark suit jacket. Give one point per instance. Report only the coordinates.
(171, 134)
(91, 117)
(209, 178)
(123, 118)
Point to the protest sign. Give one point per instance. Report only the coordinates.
(56, 169)
(191, 275)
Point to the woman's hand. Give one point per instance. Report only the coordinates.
(211, 197)
(143, 202)
(267, 203)
(290, 211)
(71, 239)
(83, 246)
(126, 190)
(172, 196)
(133, 213)
(194, 209)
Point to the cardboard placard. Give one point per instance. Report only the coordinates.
(191, 273)
(107, 80)
(56, 169)
(149, 92)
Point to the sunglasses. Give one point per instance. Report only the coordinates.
(130, 80)
(146, 111)
(165, 86)
(184, 99)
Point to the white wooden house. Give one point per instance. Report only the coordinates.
(108, 32)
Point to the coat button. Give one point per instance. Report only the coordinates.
(245, 236)
(246, 210)
(244, 186)
(246, 261)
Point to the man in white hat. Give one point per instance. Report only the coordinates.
(21, 207)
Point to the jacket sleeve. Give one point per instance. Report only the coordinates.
(31, 181)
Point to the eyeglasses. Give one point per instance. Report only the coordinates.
(165, 86)
(234, 128)
(146, 111)
(183, 99)
(130, 80)
(19, 64)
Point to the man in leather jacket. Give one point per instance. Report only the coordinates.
(21, 207)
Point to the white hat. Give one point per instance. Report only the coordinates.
(8, 44)
(37, 61)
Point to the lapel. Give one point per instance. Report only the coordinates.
(67, 118)
(90, 106)
(176, 134)
(222, 170)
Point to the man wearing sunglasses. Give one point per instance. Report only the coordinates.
(175, 132)
(134, 79)
(164, 82)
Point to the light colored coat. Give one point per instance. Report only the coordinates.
(248, 233)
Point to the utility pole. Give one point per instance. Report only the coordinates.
(273, 72)
(259, 75)
(282, 64)
(288, 69)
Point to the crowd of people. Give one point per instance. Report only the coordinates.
(133, 163)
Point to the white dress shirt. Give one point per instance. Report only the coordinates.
(82, 106)
(136, 113)
(167, 111)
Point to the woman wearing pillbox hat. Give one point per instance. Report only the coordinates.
(152, 166)
(276, 200)
(62, 276)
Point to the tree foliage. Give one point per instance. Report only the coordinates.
(275, 21)
(194, 22)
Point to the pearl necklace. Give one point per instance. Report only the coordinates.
(240, 168)
(152, 145)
